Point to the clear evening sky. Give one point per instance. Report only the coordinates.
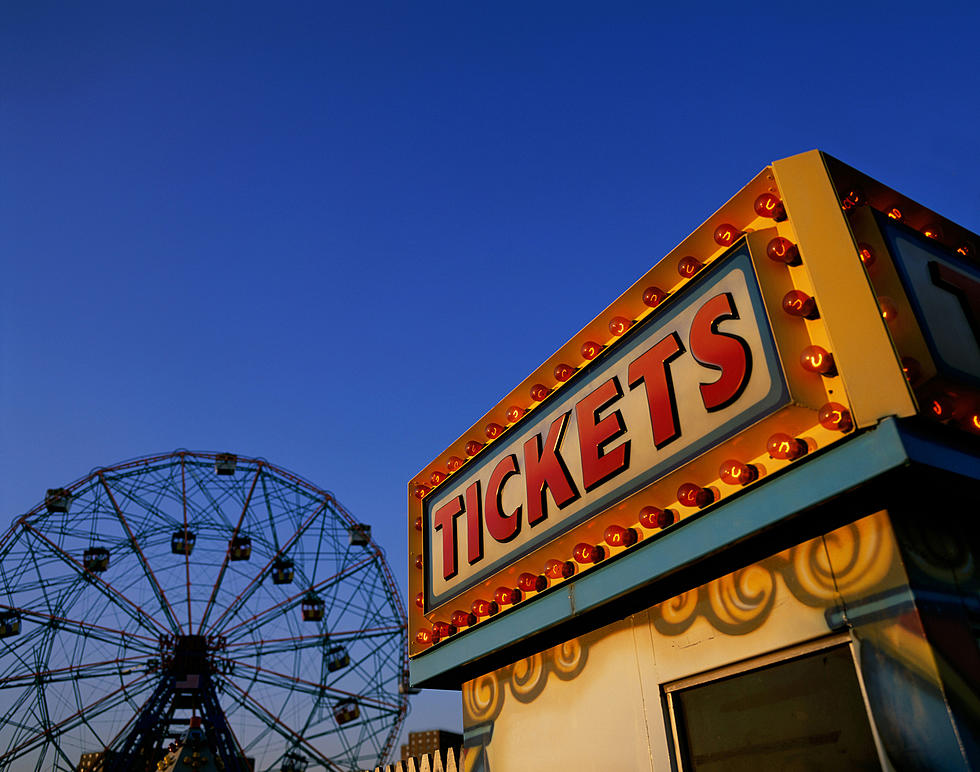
(334, 234)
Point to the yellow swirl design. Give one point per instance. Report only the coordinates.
(528, 677)
(482, 699)
(568, 659)
(674, 616)
(741, 601)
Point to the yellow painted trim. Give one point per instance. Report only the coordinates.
(861, 345)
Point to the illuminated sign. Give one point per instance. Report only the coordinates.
(693, 375)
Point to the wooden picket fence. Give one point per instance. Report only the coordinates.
(434, 763)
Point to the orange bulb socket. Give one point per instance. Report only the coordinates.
(505, 596)
(786, 447)
(836, 417)
(726, 235)
(493, 431)
(688, 266)
(437, 477)
(653, 296)
(654, 517)
(563, 372)
(484, 608)
(531, 582)
(514, 414)
(454, 463)
(587, 554)
(691, 495)
(420, 490)
(539, 391)
(559, 569)
(619, 324)
(798, 303)
(818, 360)
(782, 250)
(769, 205)
(617, 536)
(736, 472)
(590, 349)
(462, 619)
(473, 447)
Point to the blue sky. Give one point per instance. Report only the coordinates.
(334, 234)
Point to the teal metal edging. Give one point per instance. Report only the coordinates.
(819, 479)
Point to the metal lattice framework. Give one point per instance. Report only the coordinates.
(197, 583)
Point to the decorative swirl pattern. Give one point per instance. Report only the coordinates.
(674, 616)
(568, 659)
(482, 699)
(809, 575)
(528, 677)
(740, 602)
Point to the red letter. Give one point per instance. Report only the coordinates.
(474, 524)
(720, 351)
(502, 527)
(593, 434)
(545, 470)
(444, 519)
(651, 370)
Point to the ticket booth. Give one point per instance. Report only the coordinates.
(732, 523)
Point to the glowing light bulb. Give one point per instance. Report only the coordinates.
(653, 296)
(462, 619)
(889, 311)
(786, 447)
(514, 414)
(418, 523)
(418, 561)
(836, 417)
(539, 391)
(423, 637)
(688, 266)
(442, 630)
(493, 430)
(505, 596)
(966, 249)
(420, 490)
(559, 569)
(484, 608)
(473, 447)
(654, 517)
(818, 360)
(617, 536)
(619, 324)
(894, 213)
(726, 235)
(972, 422)
(933, 231)
(798, 303)
(454, 463)
(691, 495)
(769, 205)
(735, 472)
(782, 250)
(531, 582)
(854, 197)
(911, 368)
(940, 407)
(587, 554)
(563, 372)
(437, 477)
(419, 600)
(867, 255)
(590, 349)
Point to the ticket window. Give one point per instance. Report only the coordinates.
(803, 711)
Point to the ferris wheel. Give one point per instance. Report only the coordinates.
(201, 589)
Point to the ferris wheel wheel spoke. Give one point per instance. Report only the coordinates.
(144, 563)
(92, 584)
(263, 616)
(136, 613)
(48, 732)
(276, 724)
(224, 563)
(246, 594)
